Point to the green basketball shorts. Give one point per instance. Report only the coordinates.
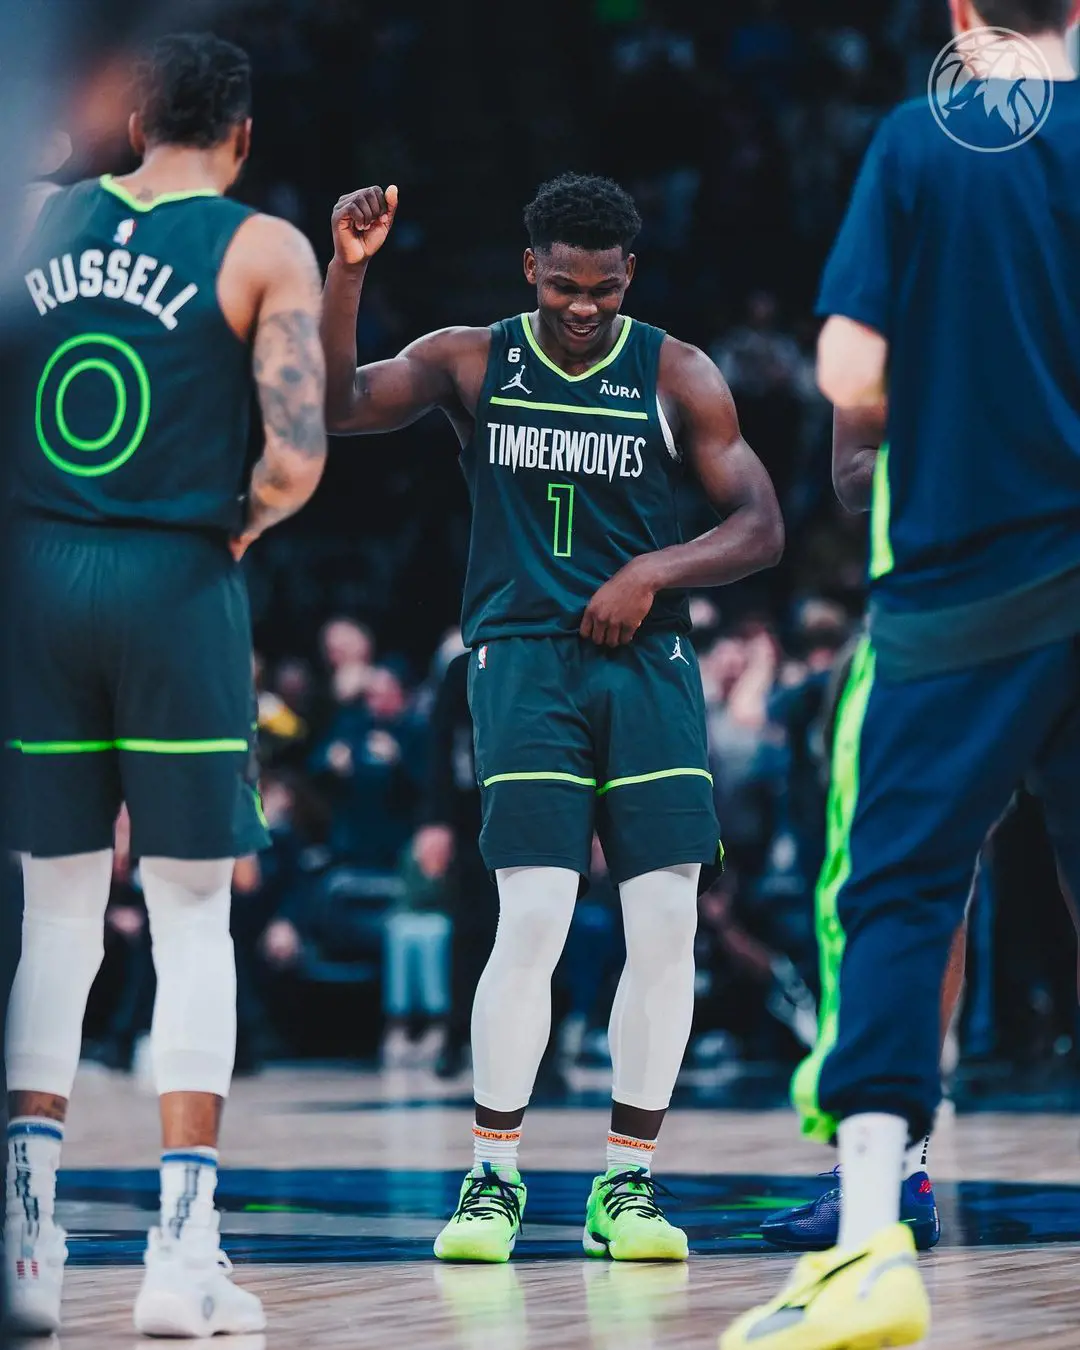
(573, 739)
(130, 676)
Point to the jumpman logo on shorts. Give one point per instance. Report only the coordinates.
(677, 654)
(518, 382)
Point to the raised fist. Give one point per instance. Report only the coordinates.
(361, 222)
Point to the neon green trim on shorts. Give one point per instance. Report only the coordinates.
(539, 778)
(843, 799)
(225, 745)
(60, 747)
(228, 744)
(653, 778)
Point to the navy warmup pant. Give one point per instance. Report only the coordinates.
(921, 772)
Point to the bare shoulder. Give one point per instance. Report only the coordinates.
(459, 352)
(264, 245)
(268, 263)
(451, 345)
(687, 374)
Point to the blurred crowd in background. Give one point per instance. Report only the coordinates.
(738, 129)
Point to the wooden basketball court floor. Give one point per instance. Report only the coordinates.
(336, 1181)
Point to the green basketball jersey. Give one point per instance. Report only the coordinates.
(139, 394)
(570, 476)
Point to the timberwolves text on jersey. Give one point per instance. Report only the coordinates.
(571, 477)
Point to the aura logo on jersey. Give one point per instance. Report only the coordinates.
(71, 428)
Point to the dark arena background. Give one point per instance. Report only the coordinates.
(738, 128)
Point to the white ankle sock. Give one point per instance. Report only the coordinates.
(915, 1159)
(872, 1148)
(497, 1147)
(33, 1157)
(627, 1152)
(188, 1182)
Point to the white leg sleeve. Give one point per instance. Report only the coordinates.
(63, 940)
(193, 1038)
(511, 1017)
(654, 1004)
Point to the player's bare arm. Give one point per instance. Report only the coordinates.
(857, 435)
(289, 370)
(751, 535)
(852, 364)
(442, 370)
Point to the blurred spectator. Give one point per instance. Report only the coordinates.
(796, 707)
(348, 648)
(447, 845)
(281, 731)
(739, 975)
(591, 965)
(416, 976)
(370, 765)
(738, 674)
(771, 378)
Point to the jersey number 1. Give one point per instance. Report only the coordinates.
(562, 494)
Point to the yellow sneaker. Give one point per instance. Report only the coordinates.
(487, 1221)
(839, 1300)
(624, 1221)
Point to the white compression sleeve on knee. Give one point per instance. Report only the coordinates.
(654, 1004)
(193, 1038)
(63, 940)
(511, 1017)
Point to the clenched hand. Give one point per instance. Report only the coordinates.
(620, 606)
(361, 222)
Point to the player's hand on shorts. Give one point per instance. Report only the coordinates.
(620, 606)
(361, 222)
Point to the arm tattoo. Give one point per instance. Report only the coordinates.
(288, 369)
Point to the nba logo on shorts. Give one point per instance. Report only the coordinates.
(481, 657)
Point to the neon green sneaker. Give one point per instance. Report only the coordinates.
(624, 1221)
(487, 1220)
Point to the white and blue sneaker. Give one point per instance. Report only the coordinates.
(34, 1256)
(187, 1289)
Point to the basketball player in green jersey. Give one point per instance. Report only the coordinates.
(576, 423)
(154, 308)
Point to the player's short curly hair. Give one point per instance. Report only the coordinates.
(192, 89)
(1026, 16)
(583, 211)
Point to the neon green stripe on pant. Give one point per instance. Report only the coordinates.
(843, 797)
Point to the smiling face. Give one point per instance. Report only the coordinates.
(579, 293)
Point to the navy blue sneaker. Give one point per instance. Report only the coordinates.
(816, 1226)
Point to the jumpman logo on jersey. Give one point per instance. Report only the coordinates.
(677, 654)
(518, 382)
